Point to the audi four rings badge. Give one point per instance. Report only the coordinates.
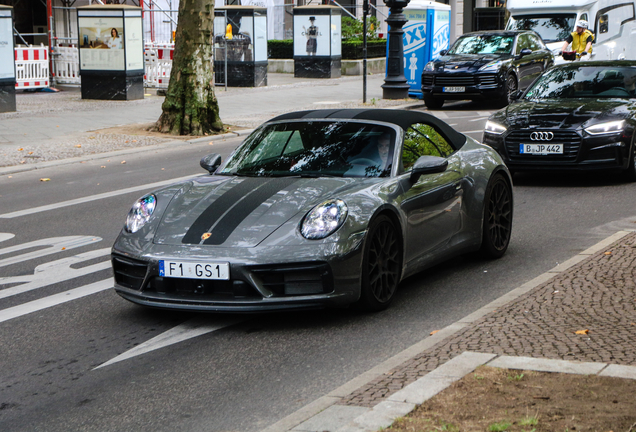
(541, 136)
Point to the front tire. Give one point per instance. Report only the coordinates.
(629, 175)
(433, 103)
(381, 265)
(510, 87)
(497, 220)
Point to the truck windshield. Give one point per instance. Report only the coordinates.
(551, 28)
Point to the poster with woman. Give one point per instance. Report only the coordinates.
(314, 31)
(101, 43)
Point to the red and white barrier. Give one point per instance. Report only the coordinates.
(158, 63)
(66, 65)
(32, 67)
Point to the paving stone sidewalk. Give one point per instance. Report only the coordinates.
(598, 295)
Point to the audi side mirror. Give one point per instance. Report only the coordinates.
(443, 52)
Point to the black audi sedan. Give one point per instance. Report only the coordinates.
(577, 116)
(486, 65)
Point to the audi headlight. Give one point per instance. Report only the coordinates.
(140, 213)
(324, 219)
(606, 128)
(430, 66)
(492, 66)
(494, 128)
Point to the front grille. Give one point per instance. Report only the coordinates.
(201, 289)
(295, 279)
(489, 80)
(427, 80)
(129, 273)
(455, 81)
(570, 139)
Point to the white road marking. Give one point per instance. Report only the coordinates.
(439, 114)
(55, 245)
(6, 236)
(478, 119)
(484, 113)
(54, 300)
(192, 328)
(54, 272)
(44, 208)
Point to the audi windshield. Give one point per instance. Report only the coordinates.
(551, 28)
(585, 82)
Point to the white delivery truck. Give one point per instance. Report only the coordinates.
(613, 23)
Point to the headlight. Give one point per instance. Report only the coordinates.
(140, 213)
(492, 66)
(324, 219)
(494, 128)
(430, 66)
(606, 128)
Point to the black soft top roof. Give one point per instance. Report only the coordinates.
(401, 118)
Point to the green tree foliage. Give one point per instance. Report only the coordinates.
(352, 29)
(423, 140)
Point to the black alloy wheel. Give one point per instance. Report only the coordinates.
(382, 265)
(497, 223)
(629, 175)
(510, 88)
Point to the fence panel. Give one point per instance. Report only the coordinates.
(32, 67)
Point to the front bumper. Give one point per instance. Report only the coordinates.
(581, 151)
(308, 278)
(476, 86)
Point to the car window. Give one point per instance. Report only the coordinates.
(522, 43)
(551, 27)
(535, 43)
(423, 140)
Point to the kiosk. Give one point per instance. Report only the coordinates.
(111, 50)
(7, 60)
(426, 33)
(240, 45)
(317, 42)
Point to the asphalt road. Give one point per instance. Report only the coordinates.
(241, 373)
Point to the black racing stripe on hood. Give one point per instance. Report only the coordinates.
(245, 207)
(218, 207)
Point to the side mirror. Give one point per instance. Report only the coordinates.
(443, 52)
(211, 162)
(515, 95)
(524, 52)
(428, 165)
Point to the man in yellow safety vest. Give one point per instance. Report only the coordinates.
(581, 39)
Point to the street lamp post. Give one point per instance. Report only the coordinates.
(395, 85)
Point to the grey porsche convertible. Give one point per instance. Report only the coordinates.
(316, 209)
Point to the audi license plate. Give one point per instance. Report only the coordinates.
(541, 149)
(194, 270)
(454, 89)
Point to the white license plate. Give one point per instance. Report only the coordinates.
(454, 89)
(194, 270)
(541, 149)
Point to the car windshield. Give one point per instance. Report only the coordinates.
(483, 44)
(551, 28)
(315, 149)
(585, 82)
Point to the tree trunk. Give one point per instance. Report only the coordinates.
(190, 107)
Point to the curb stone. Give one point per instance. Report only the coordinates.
(321, 407)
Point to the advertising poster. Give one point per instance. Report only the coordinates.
(336, 35)
(134, 44)
(102, 43)
(415, 42)
(441, 32)
(311, 35)
(7, 56)
(260, 38)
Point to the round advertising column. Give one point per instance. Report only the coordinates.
(240, 46)
(111, 50)
(7, 60)
(317, 42)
